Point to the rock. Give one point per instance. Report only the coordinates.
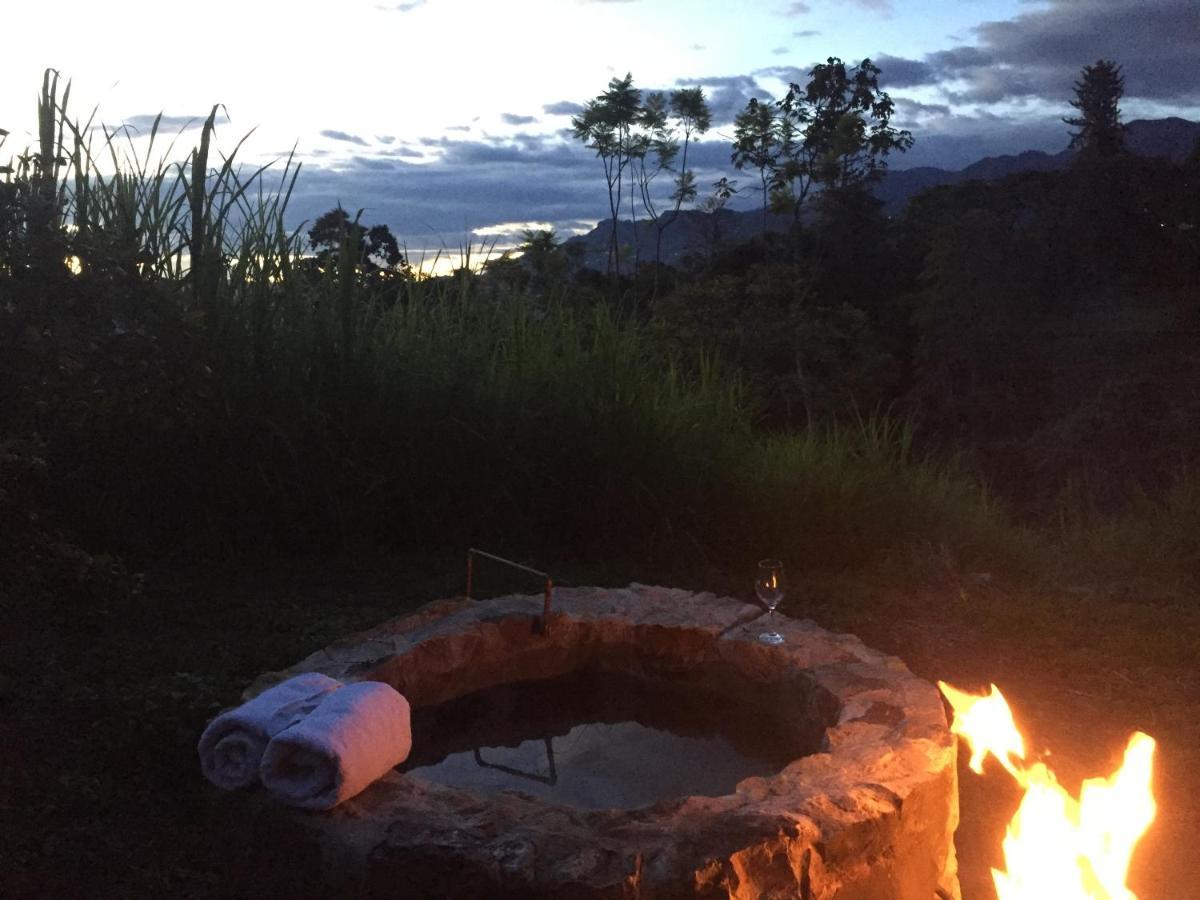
(871, 816)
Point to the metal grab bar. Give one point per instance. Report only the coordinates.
(539, 625)
(551, 779)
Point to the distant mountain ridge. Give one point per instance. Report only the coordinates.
(1173, 138)
(693, 232)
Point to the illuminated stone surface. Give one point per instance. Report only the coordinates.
(870, 817)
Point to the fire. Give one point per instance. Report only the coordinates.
(1059, 847)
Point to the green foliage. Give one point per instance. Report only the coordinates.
(1155, 536)
(1067, 363)
(805, 360)
(834, 133)
(374, 248)
(640, 139)
(845, 121)
(607, 125)
(201, 382)
(756, 144)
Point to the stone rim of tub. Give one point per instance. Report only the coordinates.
(871, 814)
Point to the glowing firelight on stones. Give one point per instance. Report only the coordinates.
(1059, 847)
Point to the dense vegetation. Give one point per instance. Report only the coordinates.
(194, 383)
(998, 387)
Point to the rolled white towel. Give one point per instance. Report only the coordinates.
(232, 746)
(352, 738)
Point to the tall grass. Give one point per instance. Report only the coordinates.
(1155, 536)
(313, 409)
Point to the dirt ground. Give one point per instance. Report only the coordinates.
(101, 796)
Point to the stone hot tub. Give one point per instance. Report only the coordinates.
(866, 808)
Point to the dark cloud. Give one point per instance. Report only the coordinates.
(788, 74)
(514, 119)
(797, 9)
(343, 136)
(907, 111)
(434, 191)
(385, 138)
(956, 141)
(563, 108)
(779, 51)
(472, 184)
(376, 163)
(896, 71)
(142, 123)
(727, 95)
(807, 33)
(1039, 54)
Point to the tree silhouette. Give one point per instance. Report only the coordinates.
(661, 120)
(834, 132)
(373, 248)
(756, 144)
(1097, 94)
(606, 125)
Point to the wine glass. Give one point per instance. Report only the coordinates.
(768, 585)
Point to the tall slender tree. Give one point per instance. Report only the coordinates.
(654, 154)
(607, 125)
(1097, 93)
(691, 114)
(756, 145)
(663, 120)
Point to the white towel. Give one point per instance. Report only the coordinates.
(352, 738)
(233, 744)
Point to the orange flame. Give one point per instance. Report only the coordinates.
(1059, 847)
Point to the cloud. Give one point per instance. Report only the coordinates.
(514, 119)
(402, 7)
(563, 108)
(343, 136)
(956, 141)
(466, 186)
(779, 51)
(896, 71)
(143, 122)
(385, 138)
(1039, 53)
(727, 95)
(797, 9)
(917, 116)
(470, 184)
(914, 109)
(807, 33)
(511, 230)
(698, 47)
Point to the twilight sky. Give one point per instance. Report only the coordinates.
(447, 118)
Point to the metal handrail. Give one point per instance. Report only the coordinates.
(551, 779)
(539, 625)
